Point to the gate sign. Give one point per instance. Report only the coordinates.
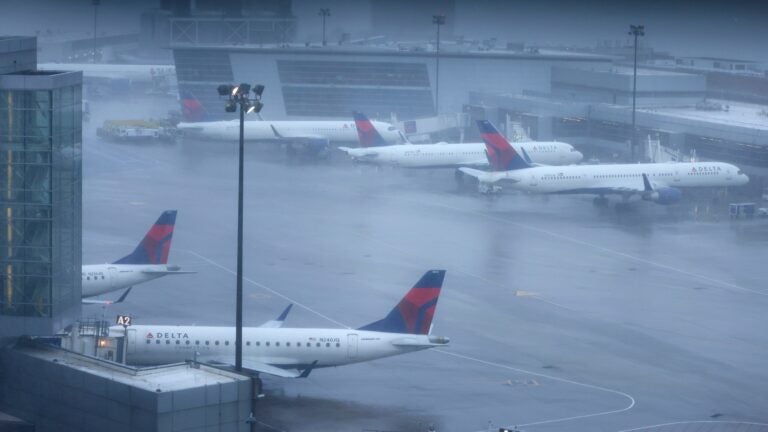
(124, 320)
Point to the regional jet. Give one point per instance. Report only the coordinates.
(295, 352)
(444, 155)
(655, 182)
(312, 137)
(147, 262)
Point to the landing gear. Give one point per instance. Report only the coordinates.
(600, 201)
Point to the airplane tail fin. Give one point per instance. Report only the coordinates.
(156, 245)
(501, 155)
(413, 315)
(366, 132)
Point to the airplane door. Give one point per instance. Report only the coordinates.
(111, 276)
(728, 173)
(533, 181)
(677, 175)
(131, 346)
(351, 346)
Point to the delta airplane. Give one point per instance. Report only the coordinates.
(375, 150)
(313, 136)
(147, 262)
(655, 182)
(295, 352)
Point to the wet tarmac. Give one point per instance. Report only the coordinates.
(562, 315)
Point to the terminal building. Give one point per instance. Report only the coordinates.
(41, 184)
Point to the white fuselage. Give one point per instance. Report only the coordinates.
(444, 155)
(574, 179)
(332, 130)
(281, 347)
(134, 73)
(103, 278)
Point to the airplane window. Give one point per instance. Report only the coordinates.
(186, 342)
(168, 342)
(197, 342)
(216, 343)
(287, 344)
(266, 343)
(226, 342)
(149, 341)
(88, 278)
(207, 342)
(258, 343)
(103, 277)
(157, 342)
(248, 343)
(327, 344)
(338, 344)
(318, 344)
(178, 342)
(277, 344)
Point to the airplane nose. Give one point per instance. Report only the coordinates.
(578, 156)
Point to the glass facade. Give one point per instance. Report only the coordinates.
(40, 193)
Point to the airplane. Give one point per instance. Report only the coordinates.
(311, 136)
(444, 155)
(107, 71)
(655, 182)
(295, 352)
(147, 262)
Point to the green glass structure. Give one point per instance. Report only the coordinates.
(40, 200)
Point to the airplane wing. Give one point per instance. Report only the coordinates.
(107, 302)
(485, 176)
(167, 272)
(171, 269)
(278, 322)
(257, 366)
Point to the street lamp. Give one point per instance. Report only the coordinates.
(238, 96)
(635, 30)
(438, 20)
(325, 13)
(96, 4)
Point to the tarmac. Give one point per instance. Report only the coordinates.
(562, 316)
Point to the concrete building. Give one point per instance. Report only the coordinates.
(59, 390)
(40, 183)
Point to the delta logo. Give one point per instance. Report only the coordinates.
(705, 169)
(166, 335)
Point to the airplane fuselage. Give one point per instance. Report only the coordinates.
(578, 178)
(332, 130)
(295, 348)
(99, 279)
(444, 155)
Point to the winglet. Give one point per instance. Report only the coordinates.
(274, 131)
(308, 370)
(647, 184)
(413, 315)
(156, 244)
(285, 313)
(525, 155)
(122, 297)
(501, 155)
(404, 138)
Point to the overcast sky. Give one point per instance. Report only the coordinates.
(734, 29)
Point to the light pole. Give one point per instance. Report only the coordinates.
(635, 30)
(438, 20)
(324, 13)
(96, 4)
(238, 95)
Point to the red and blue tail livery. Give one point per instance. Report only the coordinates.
(413, 315)
(501, 155)
(366, 132)
(156, 245)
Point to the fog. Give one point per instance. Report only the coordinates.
(563, 314)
